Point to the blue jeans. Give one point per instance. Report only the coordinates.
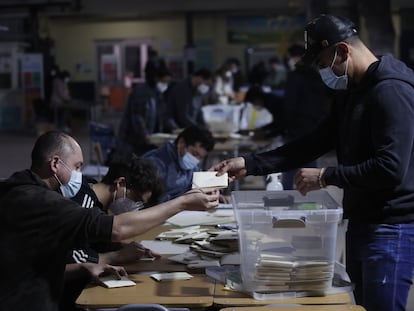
(380, 262)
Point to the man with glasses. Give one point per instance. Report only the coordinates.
(370, 127)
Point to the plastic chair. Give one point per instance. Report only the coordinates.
(104, 135)
(149, 307)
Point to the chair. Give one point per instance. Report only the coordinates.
(104, 135)
(149, 307)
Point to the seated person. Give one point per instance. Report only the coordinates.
(262, 115)
(128, 185)
(177, 160)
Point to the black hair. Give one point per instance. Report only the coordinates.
(254, 94)
(195, 134)
(140, 175)
(49, 144)
(203, 73)
(296, 49)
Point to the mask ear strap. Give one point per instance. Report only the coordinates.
(333, 61)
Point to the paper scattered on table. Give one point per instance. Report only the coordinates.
(111, 282)
(190, 218)
(165, 247)
(209, 180)
(171, 276)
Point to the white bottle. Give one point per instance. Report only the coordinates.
(273, 182)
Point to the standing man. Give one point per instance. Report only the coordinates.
(143, 115)
(186, 100)
(371, 128)
(40, 224)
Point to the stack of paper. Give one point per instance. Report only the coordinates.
(209, 180)
(286, 273)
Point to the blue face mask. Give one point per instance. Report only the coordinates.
(188, 161)
(332, 80)
(73, 186)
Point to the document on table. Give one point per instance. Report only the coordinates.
(190, 218)
(165, 247)
(111, 282)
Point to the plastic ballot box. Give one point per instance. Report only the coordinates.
(287, 241)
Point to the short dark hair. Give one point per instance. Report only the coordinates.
(140, 175)
(195, 134)
(254, 93)
(203, 73)
(48, 144)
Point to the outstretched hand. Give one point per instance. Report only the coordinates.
(201, 199)
(235, 167)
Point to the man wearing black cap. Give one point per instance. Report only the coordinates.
(371, 129)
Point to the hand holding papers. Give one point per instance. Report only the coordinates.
(203, 180)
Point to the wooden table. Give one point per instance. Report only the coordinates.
(298, 308)
(196, 292)
(224, 298)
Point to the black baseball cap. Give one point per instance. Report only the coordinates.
(324, 31)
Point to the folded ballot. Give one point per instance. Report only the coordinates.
(209, 180)
(111, 282)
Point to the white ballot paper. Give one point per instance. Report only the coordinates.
(111, 282)
(171, 276)
(209, 180)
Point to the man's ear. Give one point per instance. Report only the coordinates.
(54, 163)
(342, 51)
(119, 182)
(181, 145)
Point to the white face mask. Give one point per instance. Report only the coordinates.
(73, 186)
(203, 88)
(332, 80)
(162, 87)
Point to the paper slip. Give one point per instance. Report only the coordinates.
(171, 276)
(209, 180)
(110, 282)
(165, 247)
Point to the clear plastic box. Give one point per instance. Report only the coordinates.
(287, 241)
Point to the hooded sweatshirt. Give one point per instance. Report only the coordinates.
(371, 129)
(39, 227)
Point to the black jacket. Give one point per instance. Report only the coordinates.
(371, 128)
(39, 227)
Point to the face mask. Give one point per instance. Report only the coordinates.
(292, 63)
(203, 88)
(188, 161)
(228, 74)
(123, 205)
(162, 87)
(332, 80)
(73, 186)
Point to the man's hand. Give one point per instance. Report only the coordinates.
(95, 271)
(307, 179)
(201, 199)
(235, 167)
(129, 253)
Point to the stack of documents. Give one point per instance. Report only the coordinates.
(279, 273)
